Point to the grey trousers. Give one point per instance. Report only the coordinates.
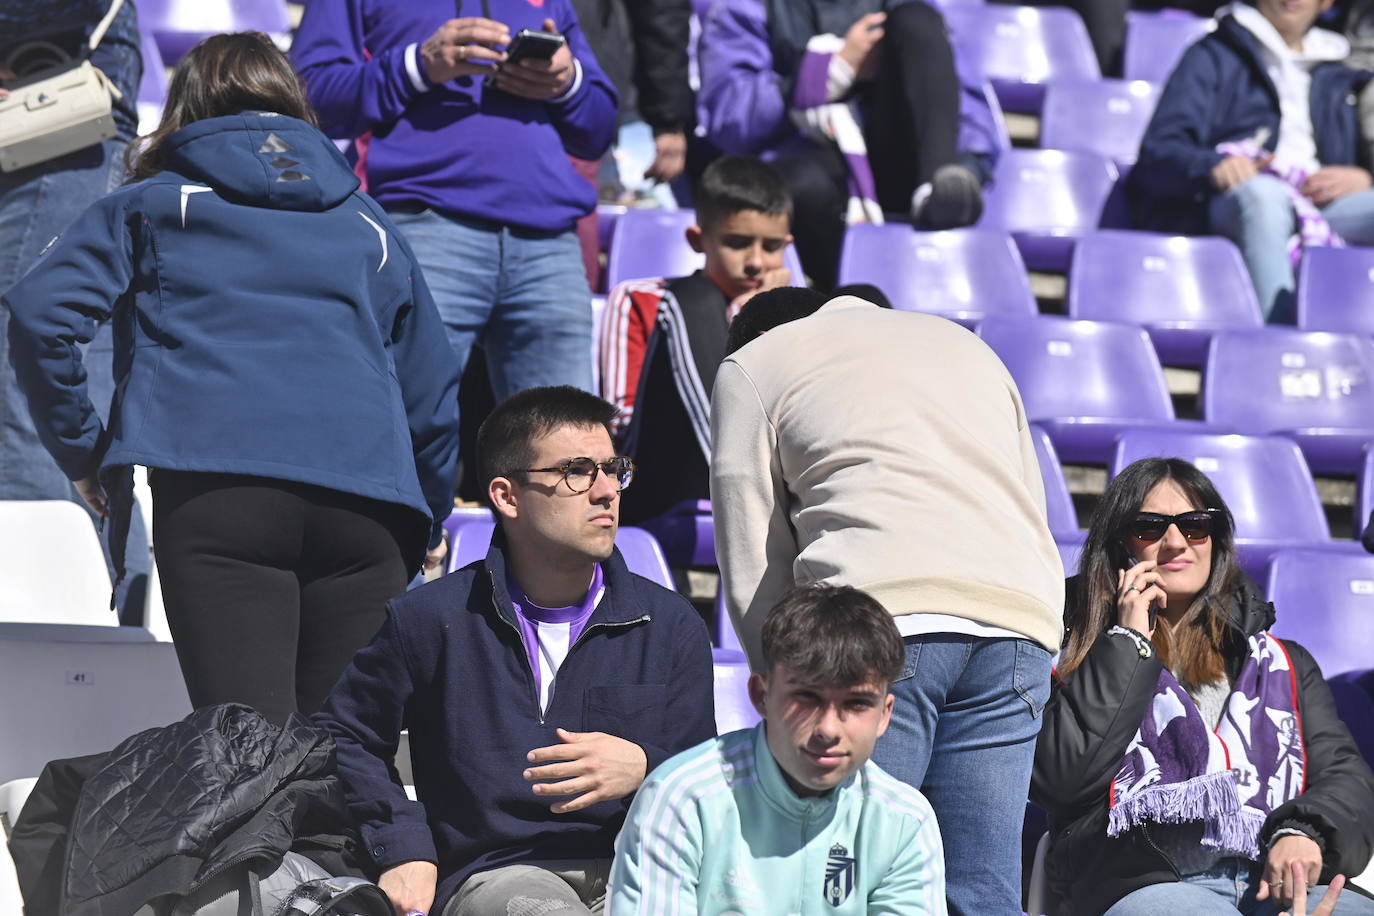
(570, 887)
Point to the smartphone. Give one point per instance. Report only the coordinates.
(1126, 561)
(532, 45)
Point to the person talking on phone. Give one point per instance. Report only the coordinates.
(464, 116)
(1189, 759)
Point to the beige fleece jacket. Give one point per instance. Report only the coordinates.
(884, 450)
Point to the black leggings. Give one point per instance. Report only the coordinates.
(271, 586)
(912, 128)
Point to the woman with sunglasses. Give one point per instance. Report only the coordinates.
(1189, 758)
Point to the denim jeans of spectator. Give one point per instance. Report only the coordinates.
(1258, 217)
(520, 294)
(967, 712)
(36, 204)
(1226, 890)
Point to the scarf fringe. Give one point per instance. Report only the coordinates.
(1209, 797)
(1235, 833)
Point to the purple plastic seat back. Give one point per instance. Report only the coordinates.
(641, 552)
(962, 274)
(686, 533)
(1047, 200)
(726, 637)
(1062, 517)
(1356, 709)
(653, 243)
(1070, 552)
(152, 89)
(178, 25)
(1336, 290)
(1107, 117)
(1180, 289)
(607, 218)
(1324, 599)
(1155, 42)
(459, 519)
(1021, 48)
(733, 707)
(1314, 386)
(1364, 495)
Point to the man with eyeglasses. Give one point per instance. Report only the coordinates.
(540, 686)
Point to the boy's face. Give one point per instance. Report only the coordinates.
(819, 735)
(741, 249)
(1292, 18)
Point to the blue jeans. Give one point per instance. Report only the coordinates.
(1258, 217)
(520, 294)
(36, 204)
(1226, 890)
(963, 729)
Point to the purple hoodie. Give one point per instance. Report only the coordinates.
(742, 101)
(453, 146)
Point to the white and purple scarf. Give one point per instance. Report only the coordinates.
(821, 114)
(1313, 229)
(1177, 770)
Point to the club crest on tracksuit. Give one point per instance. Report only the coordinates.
(839, 876)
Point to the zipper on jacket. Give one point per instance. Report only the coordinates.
(1145, 831)
(525, 654)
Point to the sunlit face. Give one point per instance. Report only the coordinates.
(741, 248)
(1183, 566)
(820, 736)
(1292, 18)
(543, 513)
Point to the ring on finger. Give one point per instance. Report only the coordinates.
(1132, 587)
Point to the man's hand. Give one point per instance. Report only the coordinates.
(410, 886)
(435, 556)
(463, 47)
(670, 157)
(594, 766)
(1328, 904)
(90, 492)
(860, 49)
(1287, 853)
(540, 80)
(1234, 171)
(1334, 182)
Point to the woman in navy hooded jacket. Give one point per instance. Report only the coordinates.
(280, 368)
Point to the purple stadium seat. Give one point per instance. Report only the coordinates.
(1314, 387)
(962, 274)
(1325, 600)
(685, 533)
(652, 243)
(1083, 381)
(1364, 492)
(1264, 480)
(641, 552)
(1047, 200)
(1356, 709)
(1107, 117)
(178, 25)
(1062, 517)
(607, 218)
(153, 88)
(999, 119)
(1021, 48)
(725, 636)
(458, 519)
(733, 708)
(1336, 290)
(1180, 289)
(1070, 550)
(1155, 42)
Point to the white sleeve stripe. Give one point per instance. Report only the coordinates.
(417, 79)
(576, 84)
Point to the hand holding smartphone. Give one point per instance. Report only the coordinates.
(533, 45)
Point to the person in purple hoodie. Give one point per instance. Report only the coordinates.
(864, 107)
(468, 153)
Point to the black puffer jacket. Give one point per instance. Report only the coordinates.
(1091, 719)
(170, 809)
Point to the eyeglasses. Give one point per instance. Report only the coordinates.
(580, 473)
(1196, 527)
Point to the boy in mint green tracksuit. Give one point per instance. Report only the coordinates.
(790, 816)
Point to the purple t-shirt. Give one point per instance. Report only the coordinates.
(549, 632)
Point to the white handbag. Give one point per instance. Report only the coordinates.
(59, 114)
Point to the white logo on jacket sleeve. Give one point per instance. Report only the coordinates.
(381, 234)
(186, 191)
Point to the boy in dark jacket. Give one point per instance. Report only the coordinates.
(540, 685)
(662, 339)
(1256, 138)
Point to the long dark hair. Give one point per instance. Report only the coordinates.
(223, 75)
(1194, 646)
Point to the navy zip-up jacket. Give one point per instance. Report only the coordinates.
(1220, 92)
(450, 665)
(268, 320)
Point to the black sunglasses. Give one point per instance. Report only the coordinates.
(1196, 526)
(580, 473)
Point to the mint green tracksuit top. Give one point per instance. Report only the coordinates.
(717, 831)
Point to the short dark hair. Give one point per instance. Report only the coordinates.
(833, 636)
(735, 183)
(505, 441)
(767, 310)
(865, 291)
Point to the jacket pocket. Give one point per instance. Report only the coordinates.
(634, 712)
